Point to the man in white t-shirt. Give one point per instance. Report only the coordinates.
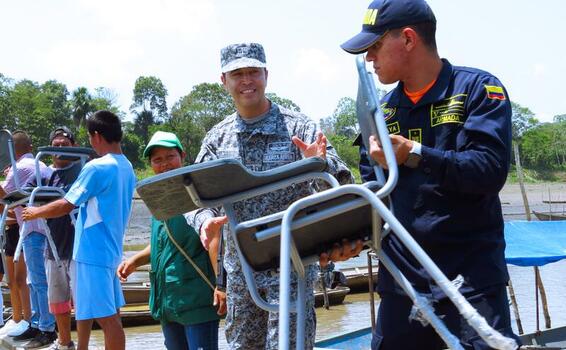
(40, 328)
(103, 192)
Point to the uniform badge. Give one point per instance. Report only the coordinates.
(388, 112)
(448, 110)
(495, 92)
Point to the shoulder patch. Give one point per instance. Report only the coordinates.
(495, 92)
(388, 112)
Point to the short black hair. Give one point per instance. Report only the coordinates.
(22, 141)
(427, 32)
(106, 124)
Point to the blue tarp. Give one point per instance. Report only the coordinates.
(535, 243)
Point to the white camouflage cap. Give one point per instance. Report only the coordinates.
(243, 55)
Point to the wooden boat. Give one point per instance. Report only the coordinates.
(549, 216)
(336, 296)
(357, 278)
(553, 338)
(132, 316)
(134, 293)
(139, 294)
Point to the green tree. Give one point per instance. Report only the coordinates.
(149, 105)
(53, 103)
(132, 145)
(285, 102)
(522, 120)
(535, 146)
(559, 143)
(561, 118)
(341, 128)
(106, 99)
(343, 120)
(37, 109)
(196, 113)
(150, 95)
(7, 120)
(81, 106)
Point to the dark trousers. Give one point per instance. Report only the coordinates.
(201, 336)
(394, 330)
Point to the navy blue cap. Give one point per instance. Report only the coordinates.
(383, 15)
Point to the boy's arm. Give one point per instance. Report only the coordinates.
(2, 192)
(130, 265)
(54, 209)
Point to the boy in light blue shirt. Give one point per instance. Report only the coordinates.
(103, 192)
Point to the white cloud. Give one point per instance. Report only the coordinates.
(97, 62)
(184, 18)
(315, 64)
(539, 70)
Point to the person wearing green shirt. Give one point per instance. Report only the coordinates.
(182, 296)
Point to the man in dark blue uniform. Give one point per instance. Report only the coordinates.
(451, 132)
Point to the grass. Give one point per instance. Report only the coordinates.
(537, 175)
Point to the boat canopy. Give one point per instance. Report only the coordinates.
(535, 243)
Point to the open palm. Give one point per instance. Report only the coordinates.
(315, 149)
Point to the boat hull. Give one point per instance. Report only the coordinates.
(549, 216)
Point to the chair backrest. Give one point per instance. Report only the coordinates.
(372, 122)
(321, 225)
(6, 147)
(167, 194)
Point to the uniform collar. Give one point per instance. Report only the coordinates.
(267, 125)
(397, 98)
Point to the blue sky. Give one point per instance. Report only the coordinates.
(111, 42)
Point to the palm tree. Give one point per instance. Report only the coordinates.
(81, 104)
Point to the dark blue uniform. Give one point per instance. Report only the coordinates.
(450, 202)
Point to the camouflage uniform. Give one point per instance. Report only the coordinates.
(260, 146)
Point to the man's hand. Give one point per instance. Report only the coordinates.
(210, 229)
(401, 148)
(30, 213)
(220, 301)
(125, 269)
(315, 149)
(341, 253)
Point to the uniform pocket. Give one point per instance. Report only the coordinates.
(185, 290)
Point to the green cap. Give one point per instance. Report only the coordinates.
(163, 139)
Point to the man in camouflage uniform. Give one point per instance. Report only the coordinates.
(263, 136)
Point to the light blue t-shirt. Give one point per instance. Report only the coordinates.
(104, 192)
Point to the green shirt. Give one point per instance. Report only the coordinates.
(178, 293)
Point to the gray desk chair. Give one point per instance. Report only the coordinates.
(38, 195)
(205, 185)
(311, 225)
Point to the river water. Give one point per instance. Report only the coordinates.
(355, 312)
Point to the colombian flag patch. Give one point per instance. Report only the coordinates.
(495, 92)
